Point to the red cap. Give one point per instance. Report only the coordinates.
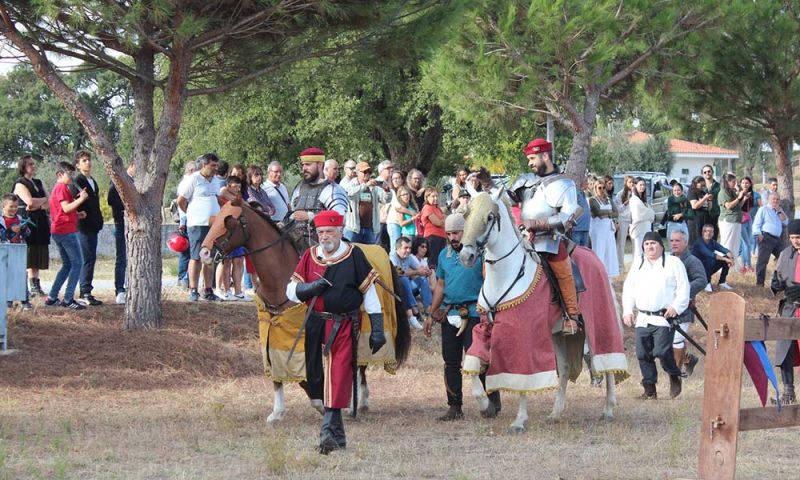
(312, 154)
(538, 145)
(328, 218)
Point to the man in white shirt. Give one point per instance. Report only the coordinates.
(278, 194)
(658, 287)
(199, 198)
(349, 174)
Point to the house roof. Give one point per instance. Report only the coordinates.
(677, 146)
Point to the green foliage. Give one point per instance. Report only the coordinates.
(613, 152)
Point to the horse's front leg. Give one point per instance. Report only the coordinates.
(611, 398)
(519, 424)
(484, 405)
(561, 399)
(278, 404)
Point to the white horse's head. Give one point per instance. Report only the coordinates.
(488, 226)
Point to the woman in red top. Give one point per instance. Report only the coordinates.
(432, 219)
(63, 229)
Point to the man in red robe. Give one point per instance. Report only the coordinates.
(334, 278)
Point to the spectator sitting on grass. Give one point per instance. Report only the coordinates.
(12, 230)
(64, 231)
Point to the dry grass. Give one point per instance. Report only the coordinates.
(84, 400)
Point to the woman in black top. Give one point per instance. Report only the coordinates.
(700, 201)
(34, 204)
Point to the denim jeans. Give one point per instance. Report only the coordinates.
(246, 280)
(88, 241)
(655, 342)
(183, 265)
(395, 232)
(746, 245)
(580, 238)
(121, 261)
(71, 261)
(409, 285)
(365, 235)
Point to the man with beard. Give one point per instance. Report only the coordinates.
(314, 194)
(455, 299)
(416, 183)
(549, 203)
(786, 278)
(334, 278)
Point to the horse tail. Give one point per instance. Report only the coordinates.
(402, 341)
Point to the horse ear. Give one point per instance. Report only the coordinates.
(497, 193)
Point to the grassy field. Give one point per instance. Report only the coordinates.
(82, 399)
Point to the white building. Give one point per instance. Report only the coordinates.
(690, 157)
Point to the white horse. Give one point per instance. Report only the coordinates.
(511, 271)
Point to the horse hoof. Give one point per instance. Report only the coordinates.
(275, 417)
(607, 417)
(516, 429)
(490, 411)
(363, 409)
(552, 418)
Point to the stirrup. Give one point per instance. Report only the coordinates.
(571, 326)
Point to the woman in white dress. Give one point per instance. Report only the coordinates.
(642, 216)
(602, 228)
(622, 201)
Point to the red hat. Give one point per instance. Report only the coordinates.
(538, 145)
(312, 154)
(328, 218)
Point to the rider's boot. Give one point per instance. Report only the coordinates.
(562, 270)
(680, 355)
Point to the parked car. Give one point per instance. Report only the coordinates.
(657, 193)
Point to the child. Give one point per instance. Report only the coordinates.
(64, 227)
(12, 230)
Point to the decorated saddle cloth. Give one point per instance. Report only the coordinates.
(516, 350)
(276, 333)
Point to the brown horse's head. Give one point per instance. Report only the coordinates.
(228, 231)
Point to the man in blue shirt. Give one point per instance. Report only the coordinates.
(455, 300)
(580, 232)
(714, 257)
(767, 227)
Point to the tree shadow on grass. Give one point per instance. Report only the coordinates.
(89, 349)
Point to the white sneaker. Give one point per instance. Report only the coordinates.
(725, 286)
(412, 320)
(222, 295)
(229, 297)
(122, 297)
(241, 297)
(708, 288)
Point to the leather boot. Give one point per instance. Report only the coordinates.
(674, 386)
(453, 413)
(788, 396)
(649, 392)
(562, 270)
(679, 354)
(690, 363)
(787, 375)
(337, 428)
(36, 287)
(327, 442)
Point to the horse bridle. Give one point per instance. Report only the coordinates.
(218, 256)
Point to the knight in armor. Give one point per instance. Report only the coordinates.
(786, 278)
(334, 278)
(549, 209)
(312, 195)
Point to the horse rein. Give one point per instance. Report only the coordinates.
(218, 255)
(481, 244)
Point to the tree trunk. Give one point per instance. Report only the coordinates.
(583, 129)
(783, 162)
(143, 239)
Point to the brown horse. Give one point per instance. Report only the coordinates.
(274, 256)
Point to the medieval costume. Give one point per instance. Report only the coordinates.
(334, 285)
(314, 196)
(786, 278)
(549, 209)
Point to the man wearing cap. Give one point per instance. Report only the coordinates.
(549, 209)
(313, 194)
(334, 278)
(786, 278)
(365, 196)
(658, 287)
(455, 299)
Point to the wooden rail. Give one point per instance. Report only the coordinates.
(722, 418)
